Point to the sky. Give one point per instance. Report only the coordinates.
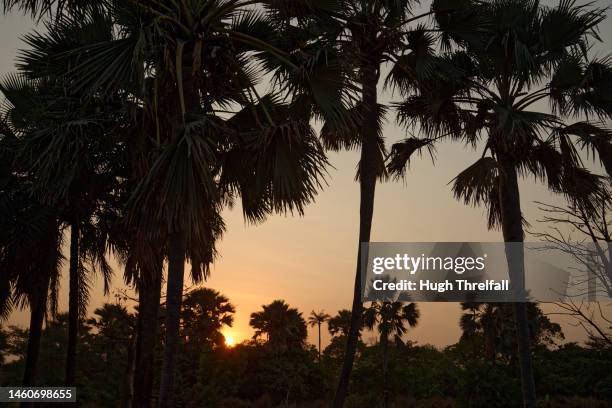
(309, 261)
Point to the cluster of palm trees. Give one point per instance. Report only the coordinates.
(133, 124)
(388, 318)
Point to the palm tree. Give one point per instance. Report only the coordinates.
(143, 255)
(390, 318)
(149, 295)
(484, 318)
(39, 9)
(493, 323)
(143, 260)
(33, 280)
(360, 38)
(204, 313)
(62, 145)
(283, 326)
(201, 155)
(338, 327)
(27, 227)
(114, 322)
(487, 91)
(316, 319)
(340, 324)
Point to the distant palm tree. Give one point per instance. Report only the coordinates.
(390, 319)
(487, 90)
(340, 324)
(485, 318)
(115, 323)
(493, 322)
(283, 326)
(204, 313)
(316, 319)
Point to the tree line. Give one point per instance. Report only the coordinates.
(129, 126)
(277, 367)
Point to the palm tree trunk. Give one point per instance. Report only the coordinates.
(73, 306)
(384, 341)
(177, 248)
(128, 380)
(38, 306)
(512, 228)
(146, 338)
(174, 297)
(319, 324)
(367, 185)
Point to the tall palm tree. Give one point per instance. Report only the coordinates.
(143, 265)
(390, 318)
(62, 145)
(283, 326)
(143, 255)
(27, 227)
(147, 325)
(26, 280)
(197, 166)
(361, 38)
(317, 319)
(488, 91)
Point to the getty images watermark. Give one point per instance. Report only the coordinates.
(482, 272)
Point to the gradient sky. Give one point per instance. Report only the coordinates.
(309, 261)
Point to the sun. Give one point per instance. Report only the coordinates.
(229, 341)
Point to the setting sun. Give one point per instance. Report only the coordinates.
(229, 341)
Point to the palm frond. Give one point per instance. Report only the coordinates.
(596, 139)
(402, 152)
(179, 191)
(286, 161)
(85, 51)
(474, 184)
(583, 89)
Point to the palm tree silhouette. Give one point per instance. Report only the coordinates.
(283, 326)
(361, 38)
(204, 313)
(62, 145)
(201, 156)
(485, 318)
(390, 319)
(27, 226)
(493, 321)
(316, 319)
(340, 324)
(488, 90)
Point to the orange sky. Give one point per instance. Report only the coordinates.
(310, 261)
